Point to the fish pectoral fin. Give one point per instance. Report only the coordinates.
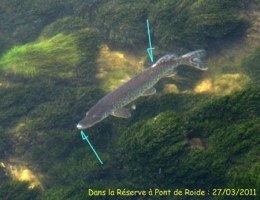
(171, 73)
(122, 113)
(150, 91)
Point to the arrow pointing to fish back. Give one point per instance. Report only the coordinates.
(150, 49)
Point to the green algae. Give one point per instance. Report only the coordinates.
(208, 16)
(32, 59)
(154, 140)
(18, 190)
(118, 24)
(5, 143)
(58, 56)
(115, 68)
(39, 117)
(250, 66)
(67, 25)
(193, 24)
(187, 24)
(229, 127)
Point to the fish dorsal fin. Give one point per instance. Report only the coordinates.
(150, 91)
(165, 58)
(122, 113)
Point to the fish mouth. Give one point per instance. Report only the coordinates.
(80, 126)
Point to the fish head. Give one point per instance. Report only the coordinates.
(92, 117)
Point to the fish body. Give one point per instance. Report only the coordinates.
(140, 85)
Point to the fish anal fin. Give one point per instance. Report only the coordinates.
(122, 113)
(150, 91)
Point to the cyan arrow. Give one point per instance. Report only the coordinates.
(150, 49)
(84, 137)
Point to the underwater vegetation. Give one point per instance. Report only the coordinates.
(223, 84)
(182, 24)
(35, 99)
(120, 26)
(166, 154)
(179, 140)
(17, 190)
(57, 56)
(251, 67)
(114, 68)
(192, 24)
(66, 25)
(22, 21)
(204, 133)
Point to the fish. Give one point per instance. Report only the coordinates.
(140, 85)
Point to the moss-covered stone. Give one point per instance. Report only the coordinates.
(67, 25)
(157, 145)
(123, 23)
(22, 21)
(115, 68)
(171, 141)
(251, 67)
(192, 23)
(17, 190)
(58, 56)
(223, 84)
(5, 144)
(161, 148)
(189, 24)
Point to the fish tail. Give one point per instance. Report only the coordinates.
(194, 59)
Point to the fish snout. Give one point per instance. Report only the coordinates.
(80, 126)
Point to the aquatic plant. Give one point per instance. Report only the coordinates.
(192, 23)
(227, 128)
(118, 24)
(66, 25)
(213, 18)
(115, 68)
(22, 21)
(58, 56)
(223, 84)
(5, 143)
(17, 190)
(159, 147)
(172, 135)
(250, 66)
